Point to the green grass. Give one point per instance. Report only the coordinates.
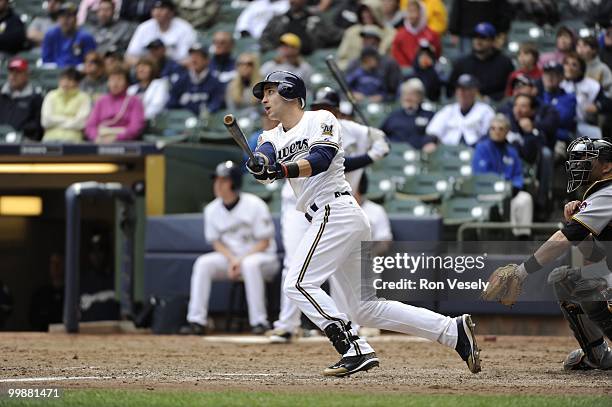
(127, 398)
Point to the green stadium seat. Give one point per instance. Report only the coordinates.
(426, 187)
(445, 152)
(485, 187)
(174, 122)
(8, 134)
(380, 185)
(412, 207)
(458, 210)
(48, 79)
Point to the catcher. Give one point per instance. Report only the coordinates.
(585, 301)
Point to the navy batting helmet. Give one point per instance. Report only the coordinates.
(326, 96)
(228, 169)
(290, 86)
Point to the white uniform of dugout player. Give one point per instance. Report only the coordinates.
(240, 228)
(306, 147)
(363, 145)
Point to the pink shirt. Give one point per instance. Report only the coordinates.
(107, 107)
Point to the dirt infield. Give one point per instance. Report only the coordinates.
(527, 365)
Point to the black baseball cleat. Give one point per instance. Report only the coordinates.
(467, 347)
(352, 364)
(197, 329)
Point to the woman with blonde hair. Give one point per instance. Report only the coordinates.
(152, 90)
(239, 93)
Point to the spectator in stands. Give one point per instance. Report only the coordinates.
(137, 10)
(177, 34)
(199, 90)
(488, 64)
(113, 60)
(424, 68)
(466, 14)
(13, 33)
(88, 10)
(366, 81)
(116, 116)
(289, 58)
(108, 32)
(564, 103)
(65, 109)
(527, 133)
(465, 121)
(256, 16)
(153, 91)
(393, 16)
(590, 98)
(239, 92)
(66, 44)
(546, 117)
(494, 155)
(241, 231)
(388, 69)
(588, 49)
(528, 57)
(406, 42)
(94, 81)
(565, 43)
(222, 63)
(39, 26)
(605, 45)
(314, 32)
(408, 123)
(169, 68)
(201, 14)
(437, 15)
(20, 102)
(370, 15)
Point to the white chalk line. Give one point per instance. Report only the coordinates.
(209, 376)
(259, 340)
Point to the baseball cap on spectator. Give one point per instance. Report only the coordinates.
(169, 4)
(198, 47)
(291, 40)
(485, 30)
(67, 9)
(370, 52)
(18, 64)
(156, 43)
(522, 80)
(467, 81)
(553, 66)
(372, 31)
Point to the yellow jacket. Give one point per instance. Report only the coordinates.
(437, 16)
(64, 115)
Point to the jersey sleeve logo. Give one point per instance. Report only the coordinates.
(327, 129)
(584, 205)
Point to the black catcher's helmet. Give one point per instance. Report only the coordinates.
(580, 156)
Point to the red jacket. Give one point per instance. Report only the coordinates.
(406, 44)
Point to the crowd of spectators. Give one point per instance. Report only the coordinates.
(124, 63)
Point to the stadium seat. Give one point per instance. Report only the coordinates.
(412, 207)
(47, 78)
(174, 122)
(458, 210)
(8, 134)
(380, 185)
(485, 187)
(445, 152)
(426, 187)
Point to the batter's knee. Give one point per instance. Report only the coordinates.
(367, 312)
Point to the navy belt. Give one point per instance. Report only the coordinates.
(315, 208)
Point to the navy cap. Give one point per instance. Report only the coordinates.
(157, 43)
(229, 169)
(485, 30)
(553, 66)
(198, 47)
(165, 3)
(467, 81)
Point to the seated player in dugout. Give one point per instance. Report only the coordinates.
(306, 148)
(584, 293)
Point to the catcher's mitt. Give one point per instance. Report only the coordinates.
(505, 285)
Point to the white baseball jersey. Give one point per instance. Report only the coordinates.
(242, 227)
(379, 221)
(449, 125)
(355, 141)
(319, 128)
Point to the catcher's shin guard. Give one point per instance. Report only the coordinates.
(600, 314)
(586, 331)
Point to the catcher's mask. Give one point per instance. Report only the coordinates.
(581, 153)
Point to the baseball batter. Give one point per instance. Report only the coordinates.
(306, 148)
(583, 293)
(363, 145)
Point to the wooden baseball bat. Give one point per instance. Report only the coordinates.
(237, 134)
(339, 77)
